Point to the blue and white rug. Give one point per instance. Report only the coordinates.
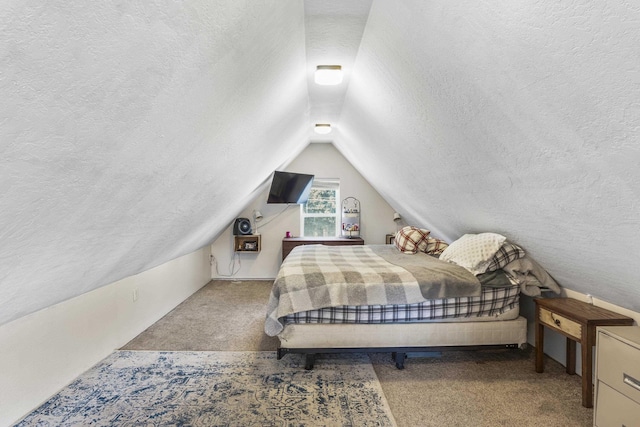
(149, 388)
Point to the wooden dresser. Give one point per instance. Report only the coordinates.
(288, 243)
(617, 376)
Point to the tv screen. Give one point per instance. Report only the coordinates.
(290, 187)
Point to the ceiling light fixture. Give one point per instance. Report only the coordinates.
(328, 74)
(322, 128)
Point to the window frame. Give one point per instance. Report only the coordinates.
(324, 183)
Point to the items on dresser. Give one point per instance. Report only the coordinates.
(617, 376)
(577, 321)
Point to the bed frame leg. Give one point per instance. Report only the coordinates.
(399, 359)
(309, 361)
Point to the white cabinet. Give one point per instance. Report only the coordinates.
(617, 376)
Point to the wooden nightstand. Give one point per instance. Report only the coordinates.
(577, 321)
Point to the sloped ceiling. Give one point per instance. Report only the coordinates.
(133, 133)
(518, 118)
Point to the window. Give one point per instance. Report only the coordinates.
(320, 216)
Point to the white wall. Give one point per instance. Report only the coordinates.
(323, 161)
(42, 352)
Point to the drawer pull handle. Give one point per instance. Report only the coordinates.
(556, 321)
(632, 382)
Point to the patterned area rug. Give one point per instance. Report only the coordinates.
(219, 389)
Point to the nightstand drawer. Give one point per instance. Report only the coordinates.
(619, 366)
(561, 323)
(614, 409)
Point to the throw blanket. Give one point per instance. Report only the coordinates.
(317, 276)
(531, 276)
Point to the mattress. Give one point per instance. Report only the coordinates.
(314, 277)
(492, 304)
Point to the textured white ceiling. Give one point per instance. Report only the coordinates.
(518, 118)
(333, 30)
(133, 133)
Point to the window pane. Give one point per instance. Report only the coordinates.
(321, 201)
(319, 226)
(320, 216)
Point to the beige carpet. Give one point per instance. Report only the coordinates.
(222, 316)
(480, 388)
(486, 388)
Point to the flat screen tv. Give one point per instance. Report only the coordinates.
(290, 187)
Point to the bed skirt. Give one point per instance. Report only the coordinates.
(400, 338)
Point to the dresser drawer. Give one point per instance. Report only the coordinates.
(561, 323)
(614, 409)
(619, 366)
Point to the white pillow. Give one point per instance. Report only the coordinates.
(473, 251)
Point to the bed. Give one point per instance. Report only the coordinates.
(379, 298)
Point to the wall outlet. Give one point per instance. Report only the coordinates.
(134, 295)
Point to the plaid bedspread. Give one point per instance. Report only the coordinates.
(317, 276)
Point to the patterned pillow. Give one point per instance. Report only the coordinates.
(411, 239)
(473, 251)
(508, 252)
(435, 246)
